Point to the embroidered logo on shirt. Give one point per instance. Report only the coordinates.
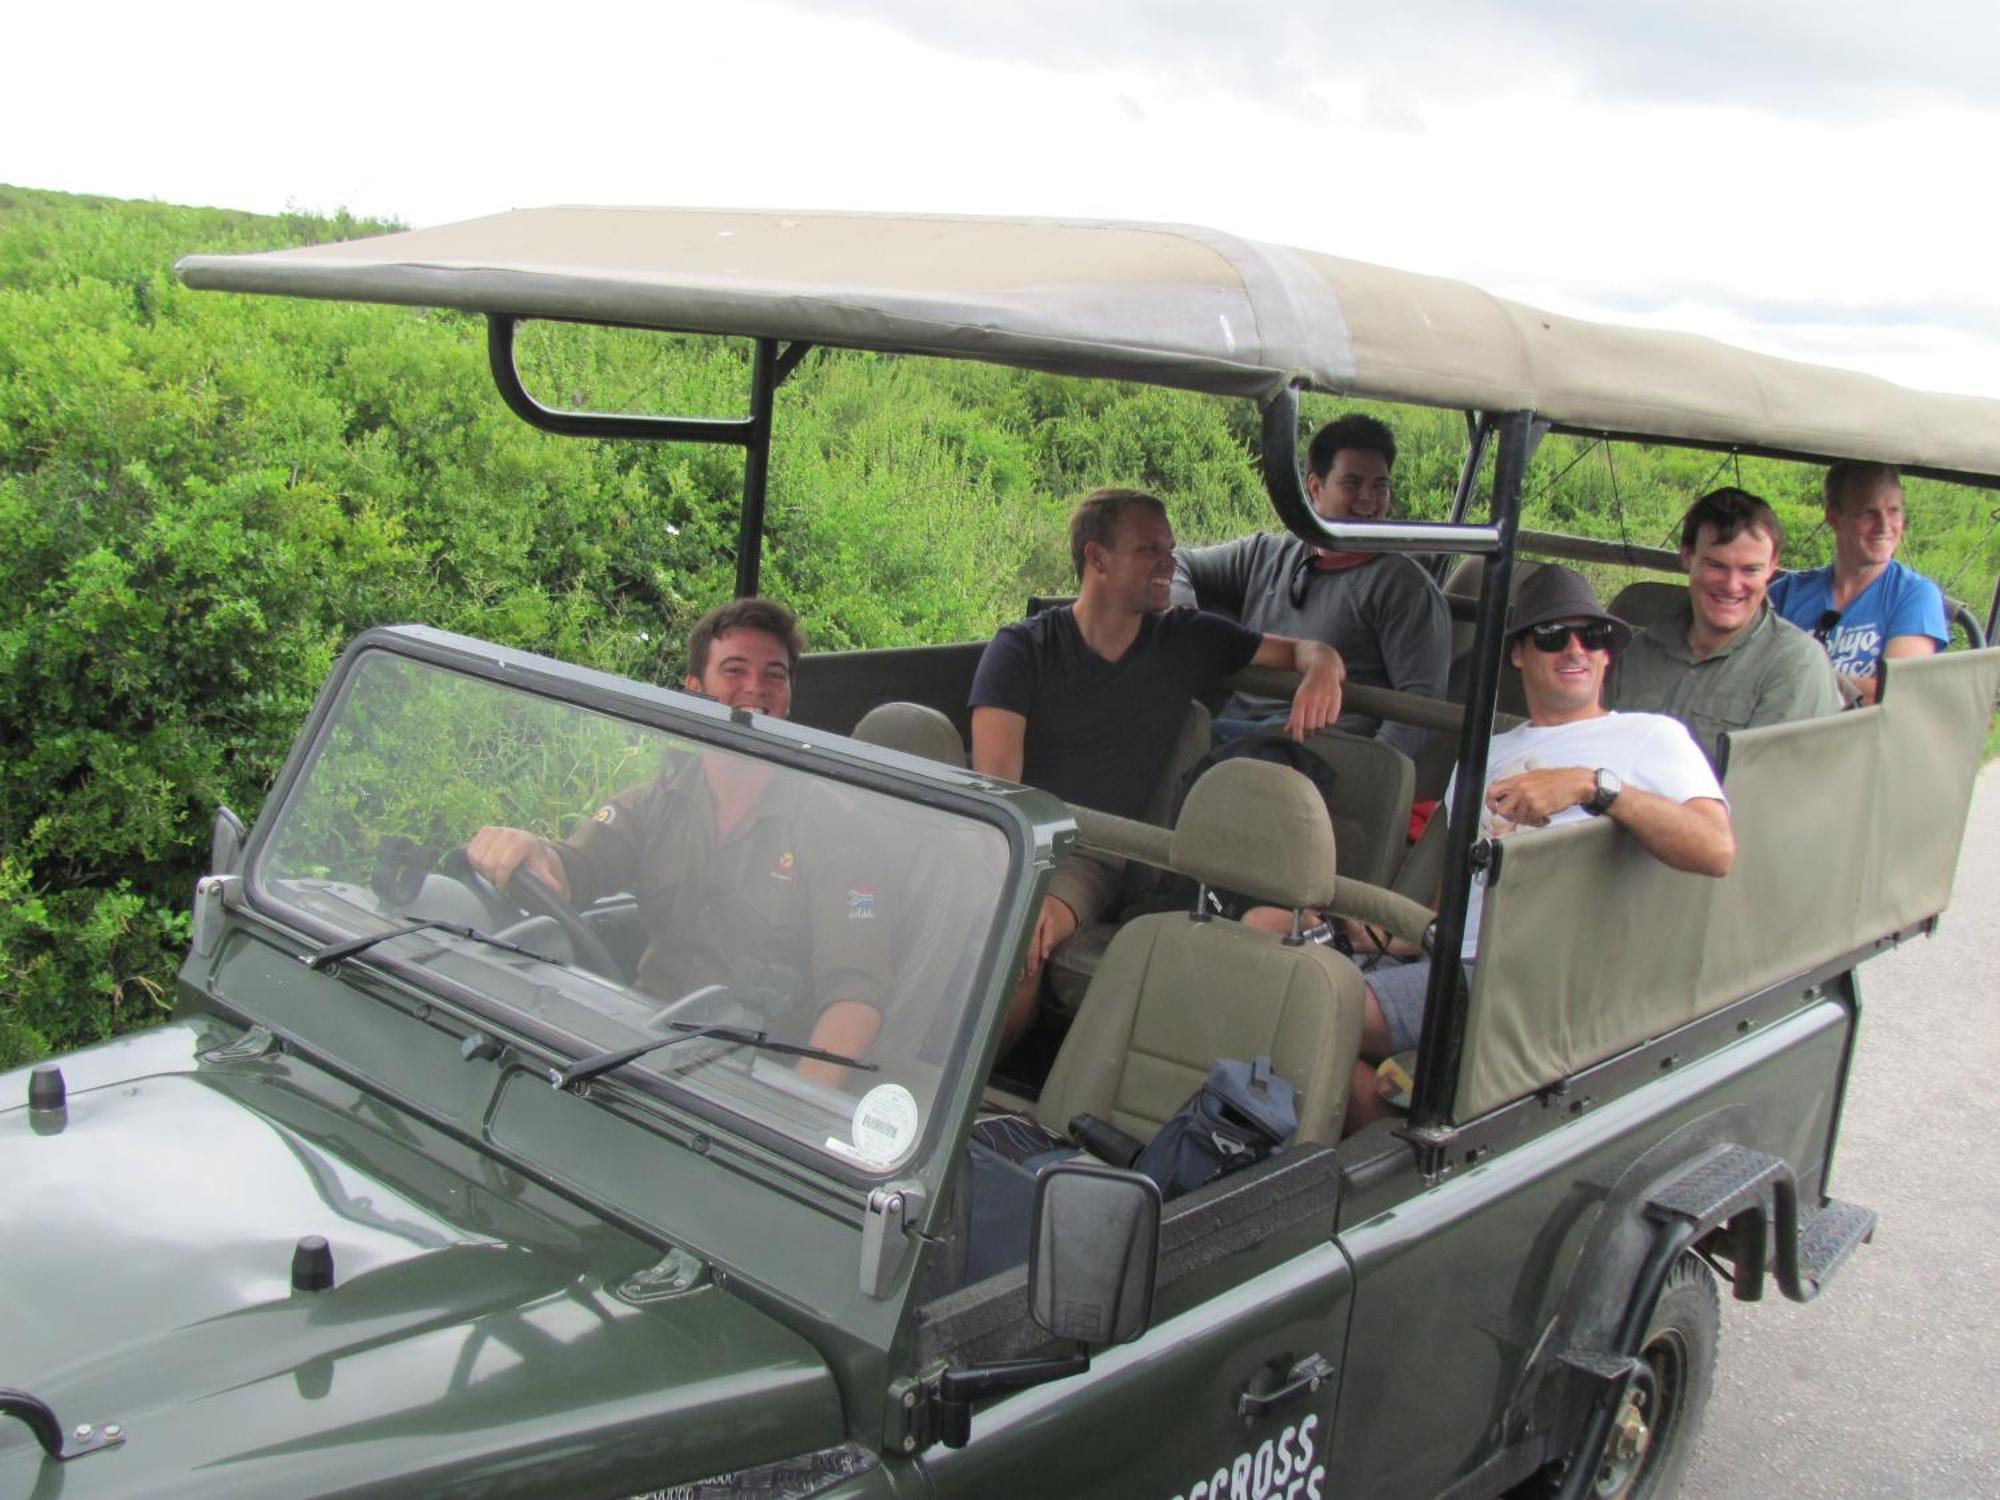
(605, 814)
(861, 903)
(786, 867)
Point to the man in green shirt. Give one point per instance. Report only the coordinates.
(744, 874)
(1725, 660)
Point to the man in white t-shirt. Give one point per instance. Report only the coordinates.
(1573, 759)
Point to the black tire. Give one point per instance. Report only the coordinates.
(1669, 1394)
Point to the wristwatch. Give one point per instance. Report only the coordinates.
(1608, 788)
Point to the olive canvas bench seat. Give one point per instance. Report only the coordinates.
(1174, 993)
(1847, 832)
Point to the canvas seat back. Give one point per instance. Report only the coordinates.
(1072, 964)
(1174, 993)
(914, 729)
(1373, 783)
(1649, 600)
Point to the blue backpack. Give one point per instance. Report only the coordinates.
(1242, 1113)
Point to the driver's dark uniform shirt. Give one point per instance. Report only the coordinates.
(790, 899)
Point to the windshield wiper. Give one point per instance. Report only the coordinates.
(584, 1069)
(319, 960)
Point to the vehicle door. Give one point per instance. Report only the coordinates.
(1228, 1395)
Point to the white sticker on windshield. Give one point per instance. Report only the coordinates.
(885, 1124)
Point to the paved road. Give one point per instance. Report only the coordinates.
(1889, 1385)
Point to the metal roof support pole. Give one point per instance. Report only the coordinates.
(1476, 435)
(1286, 486)
(764, 378)
(769, 368)
(597, 424)
(1440, 1051)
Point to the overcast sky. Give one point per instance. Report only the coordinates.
(1807, 177)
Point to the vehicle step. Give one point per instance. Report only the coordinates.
(1721, 1186)
(1829, 1237)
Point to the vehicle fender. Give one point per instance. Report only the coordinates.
(1566, 1371)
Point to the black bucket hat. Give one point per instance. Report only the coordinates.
(1553, 592)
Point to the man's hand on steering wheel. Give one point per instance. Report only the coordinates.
(497, 853)
(527, 872)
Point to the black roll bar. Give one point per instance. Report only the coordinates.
(769, 368)
(1443, 1041)
(1477, 434)
(1285, 483)
(1439, 1053)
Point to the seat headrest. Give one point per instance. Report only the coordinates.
(1260, 829)
(913, 729)
(1648, 600)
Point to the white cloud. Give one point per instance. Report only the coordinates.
(1760, 171)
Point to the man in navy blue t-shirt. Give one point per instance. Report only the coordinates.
(1086, 701)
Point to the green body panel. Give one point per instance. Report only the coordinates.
(1159, 1416)
(636, 1167)
(476, 1326)
(1460, 1287)
(1441, 1306)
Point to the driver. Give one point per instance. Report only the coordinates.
(746, 875)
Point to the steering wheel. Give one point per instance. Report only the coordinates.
(536, 895)
(500, 912)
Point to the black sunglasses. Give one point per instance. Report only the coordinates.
(1598, 635)
(1825, 626)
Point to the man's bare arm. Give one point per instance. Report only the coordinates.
(1317, 702)
(999, 742)
(1694, 836)
(848, 1027)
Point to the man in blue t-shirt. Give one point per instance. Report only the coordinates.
(1086, 701)
(1864, 605)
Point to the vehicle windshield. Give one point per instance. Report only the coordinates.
(701, 887)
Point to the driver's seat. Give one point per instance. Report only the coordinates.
(1176, 992)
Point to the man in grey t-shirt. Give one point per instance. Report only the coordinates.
(1382, 612)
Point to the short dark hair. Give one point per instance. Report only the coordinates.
(1097, 519)
(1355, 430)
(1843, 478)
(752, 613)
(1729, 511)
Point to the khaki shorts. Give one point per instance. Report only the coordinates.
(1089, 884)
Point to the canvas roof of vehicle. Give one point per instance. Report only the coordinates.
(1168, 304)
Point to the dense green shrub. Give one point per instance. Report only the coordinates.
(203, 498)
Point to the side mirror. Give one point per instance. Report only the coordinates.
(1093, 1260)
(1093, 1254)
(225, 843)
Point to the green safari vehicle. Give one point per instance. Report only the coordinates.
(420, 1194)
